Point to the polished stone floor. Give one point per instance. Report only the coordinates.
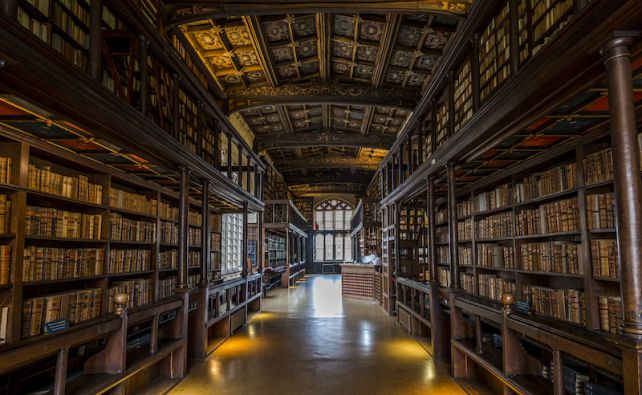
(309, 340)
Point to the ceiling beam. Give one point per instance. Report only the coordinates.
(329, 162)
(388, 38)
(329, 178)
(312, 190)
(183, 11)
(321, 138)
(321, 93)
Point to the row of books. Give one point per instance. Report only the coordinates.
(41, 5)
(548, 14)
(495, 256)
(463, 210)
(558, 179)
(195, 218)
(555, 217)
(551, 256)
(5, 214)
(74, 307)
(78, 8)
(497, 198)
(5, 170)
(465, 229)
(442, 124)
(132, 202)
(167, 211)
(40, 29)
(443, 255)
(193, 280)
(563, 304)
(48, 263)
(166, 287)
(168, 259)
(126, 229)
(441, 234)
(492, 287)
(194, 259)
(51, 222)
(610, 311)
(168, 232)
(68, 24)
(494, 53)
(600, 209)
(75, 55)
(604, 258)
(465, 256)
(5, 264)
(443, 275)
(463, 95)
(75, 187)
(598, 166)
(125, 261)
(467, 281)
(194, 237)
(495, 226)
(140, 293)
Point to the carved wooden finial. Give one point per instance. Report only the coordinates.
(120, 301)
(507, 300)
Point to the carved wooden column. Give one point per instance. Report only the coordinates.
(94, 60)
(183, 228)
(452, 227)
(244, 269)
(9, 8)
(433, 125)
(397, 236)
(420, 146)
(628, 191)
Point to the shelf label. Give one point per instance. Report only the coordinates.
(56, 326)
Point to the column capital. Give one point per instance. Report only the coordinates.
(619, 45)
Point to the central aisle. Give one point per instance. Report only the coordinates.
(308, 340)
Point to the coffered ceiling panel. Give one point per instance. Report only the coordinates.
(292, 74)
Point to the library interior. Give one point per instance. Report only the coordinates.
(321, 197)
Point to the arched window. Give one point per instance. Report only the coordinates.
(332, 241)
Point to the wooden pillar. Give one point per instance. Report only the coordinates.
(94, 60)
(260, 243)
(244, 269)
(386, 179)
(628, 191)
(430, 211)
(474, 69)
(206, 238)
(183, 228)
(261, 180)
(60, 375)
(217, 145)
(452, 226)
(513, 35)
(144, 79)
(9, 8)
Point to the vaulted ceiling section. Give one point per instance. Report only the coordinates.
(324, 86)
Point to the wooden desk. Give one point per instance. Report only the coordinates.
(357, 280)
